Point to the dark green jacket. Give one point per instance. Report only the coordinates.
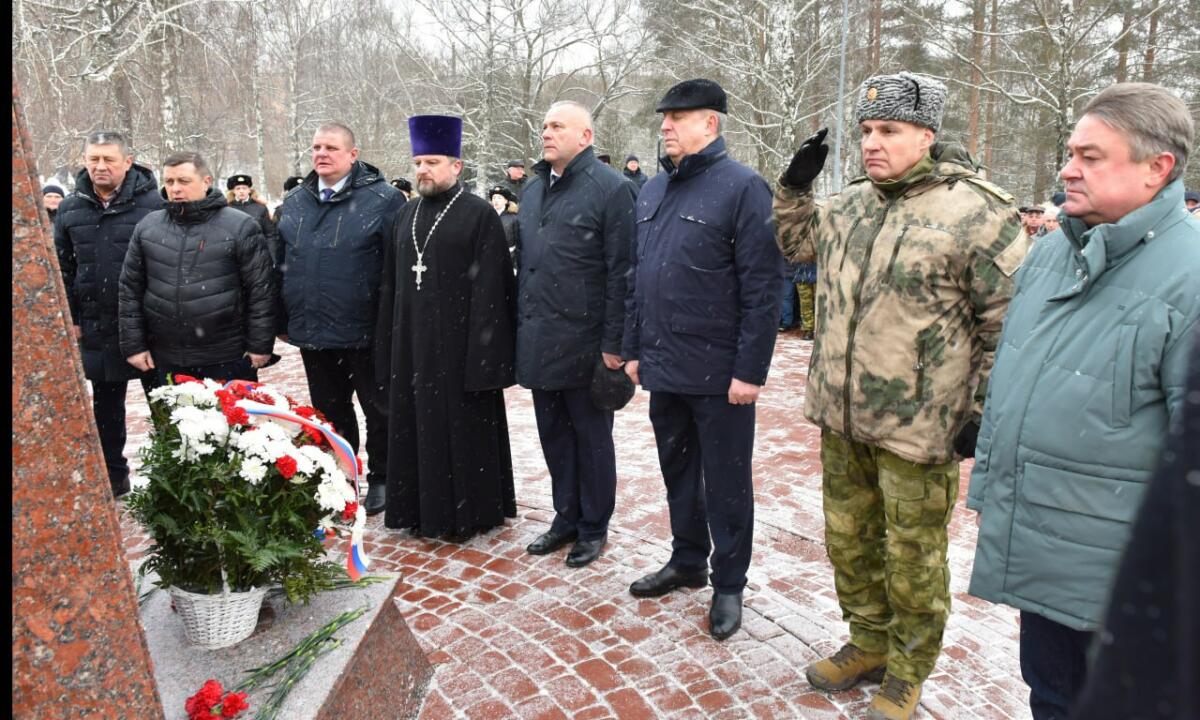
(1090, 371)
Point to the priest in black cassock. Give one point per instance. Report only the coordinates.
(444, 347)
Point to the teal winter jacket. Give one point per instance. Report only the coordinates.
(1089, 372)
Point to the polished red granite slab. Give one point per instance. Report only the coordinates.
(77, 647)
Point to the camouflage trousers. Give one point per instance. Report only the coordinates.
(885, 533)
(807, 295)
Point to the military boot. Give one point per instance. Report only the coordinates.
(895, 700)
(846, 668)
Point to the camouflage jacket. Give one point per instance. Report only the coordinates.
(912, 288)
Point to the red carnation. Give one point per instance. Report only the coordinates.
(200, 705)
(286, 465)
(235, 415)
(234, 703)
(314, 434)
(226, 398)
(305, 411)
(349, 511)
(180, 378)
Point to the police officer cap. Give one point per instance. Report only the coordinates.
(236, 180)
(694, 94)
(509, 195)
(611, 390)
(1191, 196)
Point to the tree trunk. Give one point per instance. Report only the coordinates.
(1151, 45)
(977, 12)
(989, 150)
(1123, 44)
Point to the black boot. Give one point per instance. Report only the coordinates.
(376, 499)
(725, 617)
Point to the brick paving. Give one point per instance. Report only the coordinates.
(517, 636)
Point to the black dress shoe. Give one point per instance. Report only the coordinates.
(376, 500)
(725, 617)
(550, 541)
(585, 551)
(668, 579)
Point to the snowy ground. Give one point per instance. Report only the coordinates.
(513, 635)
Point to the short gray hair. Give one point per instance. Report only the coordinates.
(587, 113)
(338, 127)
(1151, 118)
(107, 137)
(183, 158)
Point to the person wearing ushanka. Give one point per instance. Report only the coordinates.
(241, 195)
(444, 349)
(700, 325)
(914, 265)
(1089, 377)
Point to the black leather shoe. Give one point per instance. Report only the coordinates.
(668, 579)
(550, 541)
(376, 499)
(585, 551)
(725, 617)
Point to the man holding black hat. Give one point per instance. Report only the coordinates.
(700, 326)
(575, 225)
(444, 346)
(241, 195)
(335, 227)
(633, 171)
(914, 264)
(514, 177)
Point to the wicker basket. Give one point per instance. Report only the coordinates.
(218, 621)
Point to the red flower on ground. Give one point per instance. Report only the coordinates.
(314, 434)
(226, 398)
(200, 705)
(349, 511)
(180, 379)
(233, 704)
(305, 411)
(286, 466)
(235, 415)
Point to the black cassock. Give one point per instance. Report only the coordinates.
(447, 350)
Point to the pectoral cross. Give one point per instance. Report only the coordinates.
(419, 268)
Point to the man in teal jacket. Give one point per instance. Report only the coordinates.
(1089, 373)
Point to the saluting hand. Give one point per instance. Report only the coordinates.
(807, 162)
(742, 393)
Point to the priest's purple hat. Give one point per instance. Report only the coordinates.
(435, 135)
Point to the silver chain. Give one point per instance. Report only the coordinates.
(420, 267)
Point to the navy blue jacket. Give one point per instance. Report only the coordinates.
(332, 257)
(573, 254)
(705, 279)
(91, 241)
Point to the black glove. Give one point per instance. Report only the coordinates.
(964, 444)
(807, 163)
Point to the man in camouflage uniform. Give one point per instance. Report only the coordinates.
(914, 276)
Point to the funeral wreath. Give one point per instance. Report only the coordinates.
(244, 487)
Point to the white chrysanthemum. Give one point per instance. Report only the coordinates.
(253, 470)
(329, 498)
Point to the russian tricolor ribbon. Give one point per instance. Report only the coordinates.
(357, 561)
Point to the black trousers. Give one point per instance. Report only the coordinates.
(1053, 665)
(577, 442)
(108, 406)
(334, 377)
(705, 446)
(239, 369)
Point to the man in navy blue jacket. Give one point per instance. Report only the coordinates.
(334, 228)
(700, 326)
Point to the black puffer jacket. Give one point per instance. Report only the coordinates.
(259, 212)
(332, 257)
(91, 240)
(198, 287)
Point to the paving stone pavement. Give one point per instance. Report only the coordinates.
(517, 636)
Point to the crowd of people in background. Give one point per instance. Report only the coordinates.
(1050, 342)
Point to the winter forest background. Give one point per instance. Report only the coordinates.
(245, 82)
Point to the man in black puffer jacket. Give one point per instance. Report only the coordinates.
(198, 289)
(91, 232)
(335, 226)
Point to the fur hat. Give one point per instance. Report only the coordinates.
(910, 98)
(236, 180)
